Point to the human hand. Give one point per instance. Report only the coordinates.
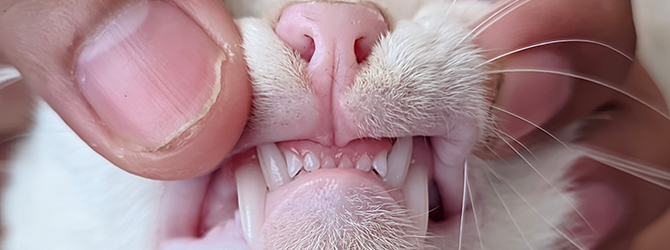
(160, 89)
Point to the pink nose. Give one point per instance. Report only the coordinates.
(333, 37)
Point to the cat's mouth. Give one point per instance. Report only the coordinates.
(287, 190)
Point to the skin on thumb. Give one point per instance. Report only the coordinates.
(159, 88)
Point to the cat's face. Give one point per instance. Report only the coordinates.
(365, 118)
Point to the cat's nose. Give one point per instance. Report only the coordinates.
(334, 38)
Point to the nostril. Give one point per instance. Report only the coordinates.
(363, 48)
(306, 48)
(331, 32)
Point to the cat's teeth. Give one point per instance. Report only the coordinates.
(345, 163)
(380, 163)
(328, 162)
(398, 162)
(293, 162)
(312, 162)
(273, 165)
(416, 195)
(251, 192)
(364, 163)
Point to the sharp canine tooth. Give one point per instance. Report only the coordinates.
(251, 191)
(380, 164)
(364, 163)
(345, 163)
(416, 195)
(293, 162)
(312, 162)
(273, 165)
(398, 162)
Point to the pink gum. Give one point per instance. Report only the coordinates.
(354, 150)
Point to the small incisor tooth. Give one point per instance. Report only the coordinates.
(364, 163)
(328, 162)
(312, 162)
(345, 163)
(293, 162)
(380, 163)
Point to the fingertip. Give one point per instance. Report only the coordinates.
(201, 147)
(158, 88)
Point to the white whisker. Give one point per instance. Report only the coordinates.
(517, 141)
(465, 184)
(485, 21)
(488, 177)
(555, 42)
(450, 6)
(531, 123)
(534, 209)
(642, 171)
(479, 32)
(544, 71)
(496, 154)
(474, 214)
(572, 204)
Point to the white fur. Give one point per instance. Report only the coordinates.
(62, 195)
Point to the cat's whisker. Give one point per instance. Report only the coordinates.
(496, 154)
(450, 7)
(532, 124)
(465, 189)
(572, 204)
(642, 171)
(630, 58)
(516, 141)
(488, 177)
(499, 177)
(546, 71)
(508, 5)
(474, 214)
(484, 28)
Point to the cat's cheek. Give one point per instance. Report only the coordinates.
(603, 207)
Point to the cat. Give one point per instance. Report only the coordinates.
(62, 195)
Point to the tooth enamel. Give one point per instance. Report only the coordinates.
(364, 163)
(380, 163)
(398, 162)
(251, 191)
(273, 165)
(416, 195)
(345, 163)
(328, 162)
(293, 162)
(312, 162)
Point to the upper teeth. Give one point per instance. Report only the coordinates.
(398, 162)
(273, 165)
(278, 168)
(281, 166)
